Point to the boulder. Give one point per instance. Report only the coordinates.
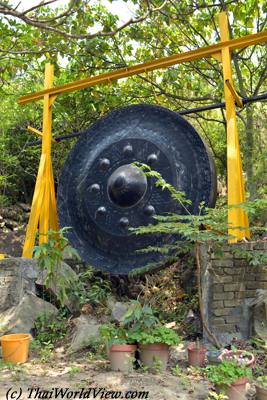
(179, 353)
(18, 275)
(20, 305)
(118, 311)
(21, 318)
(86, 331)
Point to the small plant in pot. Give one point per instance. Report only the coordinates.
(152, 337)
(242, 357)
(261, 387)
(196, 354)
(120, 346)
(154, 344)
(229, 378)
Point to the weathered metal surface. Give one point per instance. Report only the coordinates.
(101, 195)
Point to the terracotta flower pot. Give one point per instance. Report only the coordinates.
(196, 355)
(122, 356)
(154, 355)
(261, 393)
(229, 354)
(237, 391)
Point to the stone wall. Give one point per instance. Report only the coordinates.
(229, 286)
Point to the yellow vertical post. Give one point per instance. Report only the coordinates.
(235, 183)
(43, 210)
(46, 150)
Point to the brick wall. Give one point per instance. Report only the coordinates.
(229, 287)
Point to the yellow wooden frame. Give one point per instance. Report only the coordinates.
(43, 211)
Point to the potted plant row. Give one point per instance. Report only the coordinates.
(229, 378)
(140, 330)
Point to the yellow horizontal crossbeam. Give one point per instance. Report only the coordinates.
(164, 62)
(38, 133)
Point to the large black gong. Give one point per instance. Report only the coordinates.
(101, 194)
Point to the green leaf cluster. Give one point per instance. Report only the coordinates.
(116, 334)
(262, 381)
(49, 256)
(157, 334)
(50, 328)
(91, 288)
(139, 325)
(139, 317)
(208, 226)
(226, 373)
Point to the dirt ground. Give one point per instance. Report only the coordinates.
(23, 381)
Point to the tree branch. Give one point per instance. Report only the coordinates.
(162, 91)
(41, 4)
(7, 10)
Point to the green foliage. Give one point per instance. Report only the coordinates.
(184, 380)
(6, 365)
(254, 258)
(46, 353)
(257, 211)
(177, 370)
(50, 329)
(74, 369)
(176, 195)
(226, 373)
(50, 256)
(208, 226)
(216, 396)
(157, 334)
(139, 316)
(139, 325)
(262, 381)
(97, 349)
(145, 328)
(260, 344)
(116, 334)
(4, 201)
(91, 288)
(255, 207)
